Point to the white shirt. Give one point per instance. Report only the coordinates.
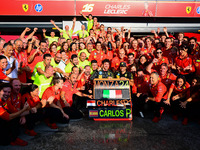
(14, 73)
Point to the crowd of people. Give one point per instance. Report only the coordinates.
(50, 79)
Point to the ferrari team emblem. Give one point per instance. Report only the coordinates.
(188, 9)
(25, 7)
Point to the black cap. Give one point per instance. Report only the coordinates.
(122, 64)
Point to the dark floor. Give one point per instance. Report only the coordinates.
(139, 134)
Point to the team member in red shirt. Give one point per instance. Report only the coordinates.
(131, 61)
(139, 91)
(16, 95)
(117, 60)
(142, 62)
(177, 93)
(97, 54)
(149, 46)
(9, 118)
(155, 64)
(73, 49)
(166, 77)
(21, 56)
(36, 55)
(134, 48)
(158, 96)
(54, 110)
(194, 47)
(84, 79)
(183, 63)
(168, 46)
(68, 104)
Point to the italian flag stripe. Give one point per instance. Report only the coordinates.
(112, 94)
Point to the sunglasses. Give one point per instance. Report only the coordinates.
(159, 52)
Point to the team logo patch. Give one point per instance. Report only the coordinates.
(38, 7)
(25, 7)
(188, 9)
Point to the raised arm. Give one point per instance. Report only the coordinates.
(24, 32)
(129, 33)
(44, 32)
(55, 25)
(155, 34)
(32, 34)
(74, 22)
(165, 31)
(83, 15)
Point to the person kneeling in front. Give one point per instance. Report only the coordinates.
(158, 95)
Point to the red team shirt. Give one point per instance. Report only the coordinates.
(159, 91)
(31, 101)
(98, 56)
(183, 63)
(2, 75)
(16, 102)
(50, 91)
(69, 91)
(6, 108)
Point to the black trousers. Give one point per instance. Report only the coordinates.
(138, 103)
(175, 105)
(54, 115)
(192, 110)
(155, 106)
(73, 112)
(79, 102)
(32, 118)
(9, 131)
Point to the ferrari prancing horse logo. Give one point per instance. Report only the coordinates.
(25, 7)
(188, 9)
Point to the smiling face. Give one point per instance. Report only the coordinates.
(3, 63)
(73, 79)
(35, 92)
(6, 93)
(159, 53)
(47, 60)
(153, 79)
(1, 94)
(143, 60)
(16, 84)
(106, 66)
(163, 70)
(8, 51)
(18, 45)
(83, 56)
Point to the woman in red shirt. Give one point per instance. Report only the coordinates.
(53, 49)
(177, 93)
(142, 62)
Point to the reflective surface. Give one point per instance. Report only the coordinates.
(139, 134)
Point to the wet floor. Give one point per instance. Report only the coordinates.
(140, 134)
